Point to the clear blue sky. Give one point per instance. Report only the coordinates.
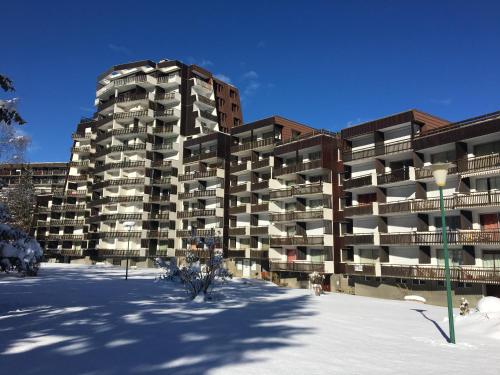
(324, 63)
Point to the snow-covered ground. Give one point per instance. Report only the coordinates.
(77, 320)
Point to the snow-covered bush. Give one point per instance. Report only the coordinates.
(198, 278)
(169, 270)
(489, 305)
(316, 280)
(18, 251)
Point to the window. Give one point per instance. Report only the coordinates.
(221, 102)
(452, 223)
(347, 255)
(455, 257)
(487, 149)
(316, 203)
(236, 121)
(315, 155)
(235, 107)
(485, 184)
(317, 255)
(232, 93)
(491, 259)
(443, 157)
(368, 255)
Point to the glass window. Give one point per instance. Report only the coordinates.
(487, 149)
(491, 259)
(443, 157)
(368, 255)
(317, 255)
(454, 255)
(452, 223)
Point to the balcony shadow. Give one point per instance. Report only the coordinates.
(96, 323)
(438, 327)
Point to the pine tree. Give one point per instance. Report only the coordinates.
(21, 201)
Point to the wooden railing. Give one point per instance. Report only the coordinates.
(297, 266)
(358, 239)
(260, 164)
(479, 163)
(298, 168)
(238, 209)
(263, 230)
(254, 144)
(365, 209)
(297, 240)
(238, 188)
(363, 269)
(201, 156)
(397, 175)
(263, 207)
(259, 185)
(118, 253)
(296, 190)
(195, 213)
(297, 215)
(463, 274)
(198, 175)
(237, 231)
(461, 237)
(358, 182)
(383, 149)
(198, 194)
(238, 168)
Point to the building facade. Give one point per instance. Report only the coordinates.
(392, 240)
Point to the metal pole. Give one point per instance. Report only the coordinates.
(447, 268)
(128, 251)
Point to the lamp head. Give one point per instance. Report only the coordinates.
(440, 172)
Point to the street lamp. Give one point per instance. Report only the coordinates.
(440, 171)
(129, 225)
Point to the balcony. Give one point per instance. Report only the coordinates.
(112, 253)
(166, 129)
(236, 253)
(195, 213)
(360, 269)
(482, 199)
(169, 80)
(259, 231)
(167, 114)
(426, 173)
(198, 194)
(235, 169)
(135, 130)
(238, 231)
(81, 149)
(383, 149)
(61, 222)
(479, 163)
(188, 233)
(238, 188)
(121, 148)
(297, 191)
(460, 237)
(125, 117)
(302, 167)
(61, 237)
(158, 234)
(254, 145)
(297, 267)
(168, 97)
(206, 102)
(198, 175)
(120, 165)
(257, 186)
(119, 182)
(297, 215)
(365, 209)
(161, 164)
(202, 84)
(259, 254)
(358, 182)
(116, 234)
(238, 210)
(461, 274)
(208, 116)
(159, 216)
(68, 207)
(398, 175)
(202, 156)
(165, 147)
(262, 207)
(131, 80)
(297, 240)
(202, 254)
(80, 136)
(114, 217)
(264, 163)
(358, 239)
(128, 100)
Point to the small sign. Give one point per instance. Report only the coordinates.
(358, 267)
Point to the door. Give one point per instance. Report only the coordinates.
(246, 267)
(489, 223)
(291, 255)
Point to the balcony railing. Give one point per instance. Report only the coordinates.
(358, 239)
(131, 114)
(259, 254)
(195, 213)
(298, 168)
(254, 144)
(166, 96)
(256, 231)
(238, 168)
(124, 98)
(167, 78)
(119, 182)
(261, 163)
(262, 207)
(358, 182)
(479, 163)
(203, 254)
(123, 164)
(259, 185)
(421, 173)
(238, 210)
(116, 132)
(297, 240)
(198, 194)
(360, 269)
(296, 190)
(462, 274)
(201, 156)
(111, 253)
(120, 148)
(397, 175)
(237, 231)
(238, 188)
(297, 215)
(460, 237)
(207, 115)
(297, 267)
(394, 207)
(206, 100)
(130, 80)
(198, 175)
(61, 237)
(365, 209)
(385, 149)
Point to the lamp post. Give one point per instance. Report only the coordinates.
(129, 225)
(440, 171)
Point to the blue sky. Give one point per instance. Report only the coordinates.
(328, 64)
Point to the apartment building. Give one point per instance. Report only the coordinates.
(392, 241)
(252, 159)
(47, 177)
(126, 160)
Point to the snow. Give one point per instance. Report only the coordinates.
(75, 319)
(489, 305)
(415, 298)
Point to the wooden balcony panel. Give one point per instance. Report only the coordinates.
(235, 231)
(259, 185)
(365, 209)
(358, 239)
(393, 176)
(462, 274)
(360, 269)
(262, 207)
(297, 267)
(259, 254)
(394, 207)
(358, 182)
(314, 164)
(236, 253)
(297, 240)
(255, 231)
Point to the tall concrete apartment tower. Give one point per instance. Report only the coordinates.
(126, 159)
